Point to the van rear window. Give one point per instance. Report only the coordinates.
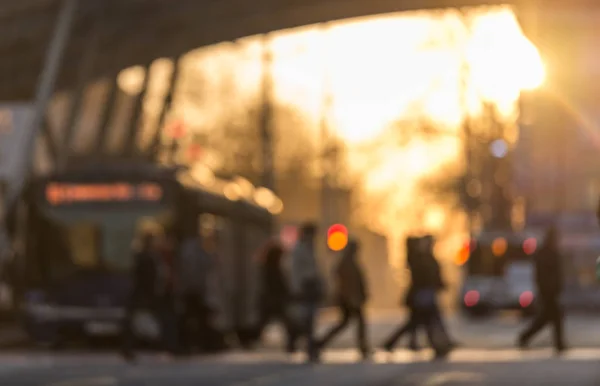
(483, 262)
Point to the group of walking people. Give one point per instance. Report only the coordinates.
(171, 281)
(306, 289)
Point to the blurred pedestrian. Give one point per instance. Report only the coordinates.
(422, 298)
(351, 296)
(275, 295)
(167, 293)
(307, 284)
(193, 270)
(215, 336)
(549, 280)
(410, 326)
(143, 295)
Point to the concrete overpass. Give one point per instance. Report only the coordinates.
(46, 45)
(121, 33)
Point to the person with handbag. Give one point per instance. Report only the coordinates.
(410, 326)
(426, 279)
(307, 284)
(351, 296)
(549, 278)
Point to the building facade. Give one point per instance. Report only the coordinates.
(557, 159)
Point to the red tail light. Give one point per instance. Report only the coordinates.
(526, 299)
(471, 298)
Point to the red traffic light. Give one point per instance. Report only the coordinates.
(337, 228)
(337, 237)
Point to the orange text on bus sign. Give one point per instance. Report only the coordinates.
(58, 193)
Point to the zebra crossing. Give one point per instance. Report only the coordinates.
(464, 355)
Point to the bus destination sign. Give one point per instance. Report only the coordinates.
(58, 193)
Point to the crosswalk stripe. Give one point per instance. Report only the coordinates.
(463, 355)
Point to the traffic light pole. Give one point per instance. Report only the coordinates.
(325, 145)
(266, 116)
(468, 135)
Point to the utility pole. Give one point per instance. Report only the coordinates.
(327, 150)
(266, 116)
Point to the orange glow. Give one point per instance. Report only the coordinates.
(499, 247)
(337, 241)
(58, 194)
(463, 255)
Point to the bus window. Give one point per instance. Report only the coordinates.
(63, 249)
(117, 247)
(83, 242)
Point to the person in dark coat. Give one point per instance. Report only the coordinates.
(421, 298)
(549, 280)
(144, 294)
(167, 293)
(352, 296)
(275, 295)
(307, 285)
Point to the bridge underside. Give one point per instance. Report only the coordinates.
(122, 33)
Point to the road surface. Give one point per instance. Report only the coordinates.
(496, 333)
(340, 367)
(492, 333)
(486, 357)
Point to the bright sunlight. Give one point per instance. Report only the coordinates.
(382, 76)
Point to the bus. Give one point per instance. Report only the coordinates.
(78, 227)
(499, 272)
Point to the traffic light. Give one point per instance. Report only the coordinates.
(463, 255)
(337, 237)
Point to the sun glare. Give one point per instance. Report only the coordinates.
(378, 73)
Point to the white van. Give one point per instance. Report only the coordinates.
(500, 272)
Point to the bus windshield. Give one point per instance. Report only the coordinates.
(91, 239)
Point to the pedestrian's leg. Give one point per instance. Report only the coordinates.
(536, 325)
(312, 346)
(362, 341)
(127, 335)
(169, 325)
(557, 322)
(291, 327)
(336, 329)
(409, 326)
(203, 327)
(430, 321)
(441, 325)
(184, 326)
(268, 310)
(413, 343)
